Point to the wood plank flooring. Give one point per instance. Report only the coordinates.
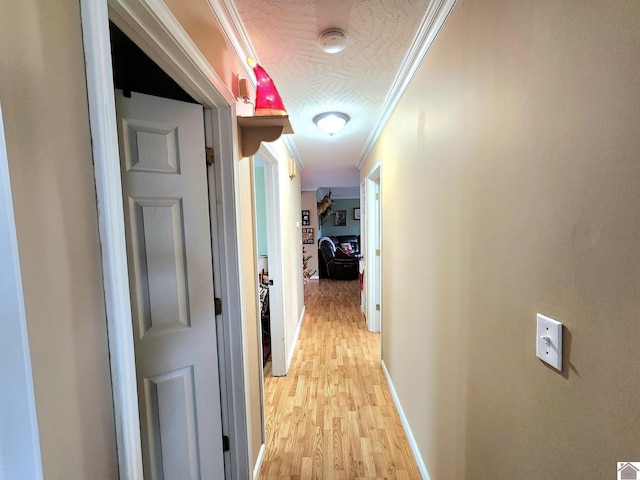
(333, 417)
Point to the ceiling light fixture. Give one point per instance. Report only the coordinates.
(331, 122)
(333, 40)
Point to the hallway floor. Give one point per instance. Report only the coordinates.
(333, 416)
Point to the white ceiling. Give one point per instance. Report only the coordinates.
(358, 81)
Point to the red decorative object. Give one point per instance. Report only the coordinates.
(268, 101)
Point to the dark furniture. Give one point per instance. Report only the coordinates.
(335, 262)
(265, 321)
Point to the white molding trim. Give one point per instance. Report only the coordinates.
(106, 159)
(315, 277)
(261, 454)
(19, 440)
(227, 14)
(372, 170)
(293, 150)
(433, 20)
(294, 344)
(227, 278)
(152, 26)
(405, 424)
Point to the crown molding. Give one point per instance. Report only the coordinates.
(293, 150)
(227, 15)
(432, 22)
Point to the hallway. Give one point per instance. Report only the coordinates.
(333, 416)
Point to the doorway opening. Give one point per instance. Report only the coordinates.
(373, 245)
(161, 133)
(156, 33)
(263, 257)
(271, 240)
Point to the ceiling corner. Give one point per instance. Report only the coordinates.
(430, 26)
(227, 15)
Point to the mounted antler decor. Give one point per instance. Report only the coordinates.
(326, 214)
(325, 203)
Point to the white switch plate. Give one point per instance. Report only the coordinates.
(549, 341)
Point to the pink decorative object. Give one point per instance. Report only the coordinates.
(268, 100)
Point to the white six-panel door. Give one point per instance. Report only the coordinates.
(167, 220)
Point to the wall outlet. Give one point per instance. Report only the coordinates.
(549, 341)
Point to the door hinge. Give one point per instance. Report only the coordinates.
(209, 155)
(225, 443)
(377, 196)
(218, 306)
(377, 307)
(377, 253)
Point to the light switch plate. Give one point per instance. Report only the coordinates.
(549, 341)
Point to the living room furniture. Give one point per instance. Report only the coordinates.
(335, 261)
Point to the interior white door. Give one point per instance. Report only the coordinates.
(373, 267)
(378, 259)
(167, 220)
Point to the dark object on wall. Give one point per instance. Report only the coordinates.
(340, 220)
(134, 71)
(306, 218)
(335, 263)
(307, 236)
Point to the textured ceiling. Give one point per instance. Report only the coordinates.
(284, 34)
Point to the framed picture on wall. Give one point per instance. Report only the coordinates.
(307, 235)
(340, 218)
(356, 213)
(306, 217)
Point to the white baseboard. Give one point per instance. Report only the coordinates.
(258, 467)
(294, 344)
(315, 277)
(407, 428)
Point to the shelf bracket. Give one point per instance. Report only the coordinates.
(255, 130)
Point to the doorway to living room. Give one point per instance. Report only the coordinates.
(269, 257)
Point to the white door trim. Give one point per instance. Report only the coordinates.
(95, 26)
(219, 124)
(19, 441)
(373, 270)
(273, 205)
(150, 25)
(363, 247)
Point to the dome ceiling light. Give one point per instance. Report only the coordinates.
(331, 122)
(333, 40)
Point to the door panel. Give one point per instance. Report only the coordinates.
(170, 271)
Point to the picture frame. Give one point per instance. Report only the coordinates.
(340, 218)
(306, 217)
(356, 213)
(307, 236)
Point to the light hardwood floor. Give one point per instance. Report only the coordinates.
(333, 417)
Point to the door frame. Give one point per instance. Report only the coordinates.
(373, 263)
(275, 254)
(151, 25)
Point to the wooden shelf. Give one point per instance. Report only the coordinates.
(258, 129)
